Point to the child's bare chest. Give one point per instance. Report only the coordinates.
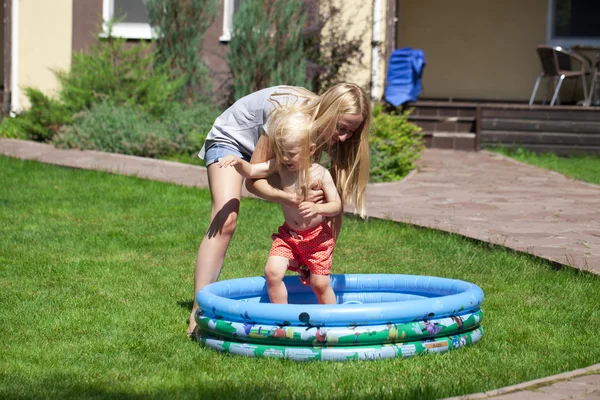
(289, 180)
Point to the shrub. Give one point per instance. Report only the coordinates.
(395, 144)
(266, 48)
(126, 129)
(109, 72)
(192, 121)
(42, 120)
(181, 26)
(118, 73)
(11, 128)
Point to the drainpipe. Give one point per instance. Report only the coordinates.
(7, 60)
(15, 107)
(375, 53)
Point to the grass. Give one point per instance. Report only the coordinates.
(585, 168)
(96, 281)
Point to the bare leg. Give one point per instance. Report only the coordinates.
(274, 273)
(321, 285)
(225, 188)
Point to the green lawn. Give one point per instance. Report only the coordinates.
(585, 168)
(96, 281)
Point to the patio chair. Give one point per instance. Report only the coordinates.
(595, 72)
(557, 64)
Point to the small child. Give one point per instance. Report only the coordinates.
(305, 239)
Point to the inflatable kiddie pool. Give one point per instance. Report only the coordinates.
(377, 316)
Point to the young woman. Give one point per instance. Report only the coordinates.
(341, 119)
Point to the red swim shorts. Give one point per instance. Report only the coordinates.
(311, 248)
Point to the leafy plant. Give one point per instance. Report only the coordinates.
(266, 48)
(42, 120)
(126, 129)
(180, 26)
(395, 145)
(11, 128)
(110, 70)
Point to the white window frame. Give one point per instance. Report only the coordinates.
(562, 40)
(228, 6)
(127, 30)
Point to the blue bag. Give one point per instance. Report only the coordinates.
(403, 81)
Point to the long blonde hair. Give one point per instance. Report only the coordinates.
(349, 159)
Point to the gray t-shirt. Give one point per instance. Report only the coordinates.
(241, 125)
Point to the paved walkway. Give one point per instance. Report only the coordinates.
(481, 195)
(493, 198)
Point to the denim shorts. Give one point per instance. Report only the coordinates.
(220, 150)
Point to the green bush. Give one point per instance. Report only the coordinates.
(41, 121)
(110, 70)
(126, 129)
(11, 128)
(266, 47)
(395, 145)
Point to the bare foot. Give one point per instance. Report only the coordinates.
(191, 330)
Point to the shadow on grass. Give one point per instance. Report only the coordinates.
(63, 386)
(186, 304)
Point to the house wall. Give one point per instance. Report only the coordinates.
(357, 17)
(2, 44)
(44, 34)
(214, 54)
(475, 49)
(87, 23)
(87, 26)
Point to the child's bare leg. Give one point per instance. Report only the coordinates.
(274, 273)
(321, 285)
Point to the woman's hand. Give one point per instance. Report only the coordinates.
(315, 193)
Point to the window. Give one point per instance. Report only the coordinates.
(229, 8)
(573, 22)
(132, 16)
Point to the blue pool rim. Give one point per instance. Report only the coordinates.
(435, 297)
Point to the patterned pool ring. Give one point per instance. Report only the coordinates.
(354, 335)
(344, 353)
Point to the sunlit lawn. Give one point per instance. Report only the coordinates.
(582, 167)
(96, 287)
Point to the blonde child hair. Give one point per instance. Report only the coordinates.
(291, 129)
(350, 159)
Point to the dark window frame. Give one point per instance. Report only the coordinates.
(565, 41)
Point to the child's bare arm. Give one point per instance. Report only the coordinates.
(247, 170)
(332, 205)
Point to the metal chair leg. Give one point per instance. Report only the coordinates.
(535, 88)
(585, 93)
(592, 91)
(557, 90)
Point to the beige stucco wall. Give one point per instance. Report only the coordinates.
(2, 45)
(45, 41)
(358, 15)
(475, 49)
